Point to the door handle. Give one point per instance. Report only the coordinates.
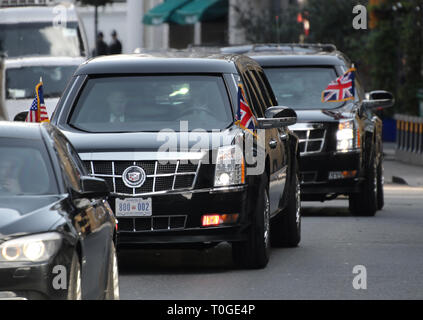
(273, 143)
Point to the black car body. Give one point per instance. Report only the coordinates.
(332, 163)
(56, 227)
(184, 190)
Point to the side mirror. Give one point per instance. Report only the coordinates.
(21, 116)
(94, 187)
(379, 99)
(277, 117)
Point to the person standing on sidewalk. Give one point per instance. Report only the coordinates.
(101, 46)
(115, 46)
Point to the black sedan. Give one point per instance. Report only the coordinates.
(162, 130)
(340, 142)
(57, 230)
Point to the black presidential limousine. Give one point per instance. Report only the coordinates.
(160, 129)
(340, 142)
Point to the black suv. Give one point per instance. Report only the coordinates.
(161, 130)
(340, 142)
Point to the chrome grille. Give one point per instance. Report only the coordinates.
(311, 140)
(153, 223)
(160, 177)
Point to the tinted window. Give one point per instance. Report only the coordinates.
(20, 81)
(301, 88)
(152, 103)
(25, 168)
(253, 100)
(26, 39)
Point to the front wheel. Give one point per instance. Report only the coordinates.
(112, 291)
(286, 227)
(254, 252)
(364, 203)
(380, 183)
(75, 283)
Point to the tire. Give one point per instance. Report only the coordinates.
(380, 183)
(112, 290)
(255, 251)
(364, 203)
(75, 282)
(286, 227)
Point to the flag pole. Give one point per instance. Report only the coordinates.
(38, 99)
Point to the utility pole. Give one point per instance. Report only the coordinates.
(2, 115)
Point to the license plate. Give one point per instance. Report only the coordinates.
(133, 207)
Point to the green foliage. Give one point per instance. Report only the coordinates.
(389, 56)
(268, 26)
(395, 52)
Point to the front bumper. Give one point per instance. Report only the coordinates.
(176, 218)
(315, 171)
(32, 281)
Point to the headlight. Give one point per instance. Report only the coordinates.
(36, 248)
(345, 136)
(230, 166)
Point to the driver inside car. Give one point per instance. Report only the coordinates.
(9, 170)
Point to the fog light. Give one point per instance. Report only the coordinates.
(211, 220)
(333, 175)
(218, 219)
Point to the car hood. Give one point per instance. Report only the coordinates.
(20, 215)
(323, 115)
(149, 141)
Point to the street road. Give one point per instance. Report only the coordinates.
(389, 245)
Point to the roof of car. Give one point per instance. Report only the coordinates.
(23, 130)
(170, 62)
(28, 14)
(277, 59)
(42, 61)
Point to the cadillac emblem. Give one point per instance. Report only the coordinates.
(134, 177)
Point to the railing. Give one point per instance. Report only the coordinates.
(409, 141)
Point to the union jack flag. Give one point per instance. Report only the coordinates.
(342, 89)
(37, 111)
(245, 117)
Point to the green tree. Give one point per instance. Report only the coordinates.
(268, 26)
(395, 51)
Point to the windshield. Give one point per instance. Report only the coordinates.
(152, 103)
(25, 168)
(301, 88)
(20, 82)
(28, 39)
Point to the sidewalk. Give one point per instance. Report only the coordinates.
(400, 172)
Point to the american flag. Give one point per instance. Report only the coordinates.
(342, 89)
(37, 111)
(245, 117)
